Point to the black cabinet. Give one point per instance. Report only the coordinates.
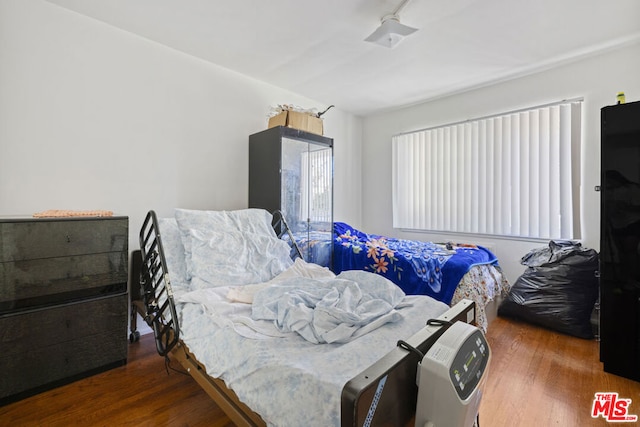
(63, 301)
(292, 171)
(620, 240)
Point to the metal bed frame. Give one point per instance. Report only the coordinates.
(384, 394)
(281, 228)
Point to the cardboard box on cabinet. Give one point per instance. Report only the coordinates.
(297, 120)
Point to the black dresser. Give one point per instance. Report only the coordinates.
(63, 301)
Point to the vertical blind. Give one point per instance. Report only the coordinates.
(316, 170)
(515, 174)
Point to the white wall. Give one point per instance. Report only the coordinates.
(92, 117)
(596, 78)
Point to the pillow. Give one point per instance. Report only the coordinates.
(173, 252)
(235, 258)
(257, 221)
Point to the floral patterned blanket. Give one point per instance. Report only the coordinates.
(419, 268)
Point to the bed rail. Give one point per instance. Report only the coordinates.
(155, 288)
(281, 228)
(156, 305)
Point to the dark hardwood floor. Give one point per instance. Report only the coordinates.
(537, 378)
(141, 393)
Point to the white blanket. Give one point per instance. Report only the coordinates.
(288, 380)
(300, 268)
(330, 310)
(231, 306)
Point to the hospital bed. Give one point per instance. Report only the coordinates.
(370, 380)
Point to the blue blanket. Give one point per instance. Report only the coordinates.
(419, 268)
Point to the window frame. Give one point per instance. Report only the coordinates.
(491, 164)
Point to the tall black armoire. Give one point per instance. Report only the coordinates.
(292, 171)
(620, 240)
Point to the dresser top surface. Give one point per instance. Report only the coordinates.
(29, 218)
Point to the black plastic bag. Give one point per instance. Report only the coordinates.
(557, 290)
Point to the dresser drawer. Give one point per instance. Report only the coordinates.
(26, 331)
(45, 281)
(47, 346)
(47, 238)
(47, 367)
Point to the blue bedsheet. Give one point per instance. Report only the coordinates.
(419, 268)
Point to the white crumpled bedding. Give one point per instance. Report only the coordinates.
(330, 310)
(284, 378)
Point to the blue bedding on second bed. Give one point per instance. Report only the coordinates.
(419, 268)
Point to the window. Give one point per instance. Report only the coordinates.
(316, 170)
(515, 174)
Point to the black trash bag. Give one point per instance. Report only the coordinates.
(557, 290)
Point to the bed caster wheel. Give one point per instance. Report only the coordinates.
(134, 336)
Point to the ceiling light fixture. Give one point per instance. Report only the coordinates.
(391, 31)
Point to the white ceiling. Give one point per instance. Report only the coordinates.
(316, 48)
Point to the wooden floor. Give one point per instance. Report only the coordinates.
(543, 378)
(537, 378)
(141, 393)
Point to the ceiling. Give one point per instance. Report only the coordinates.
(317, 48)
